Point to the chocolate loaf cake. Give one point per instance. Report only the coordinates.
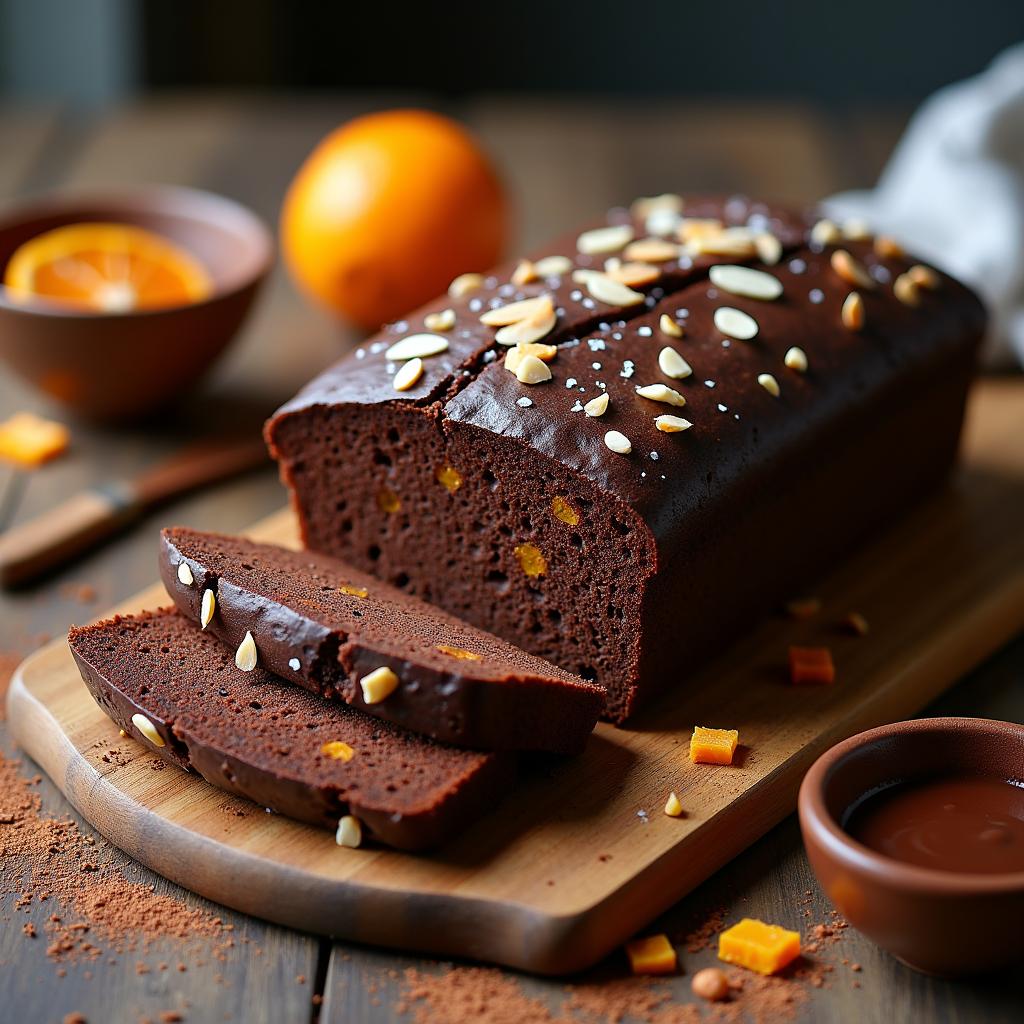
(317, 622)
(178, 690)
(674, 445)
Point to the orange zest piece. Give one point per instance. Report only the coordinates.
(653, 955)
(29, 440)
(760, 947)
(106, 268)
(713, 746)
(811, 665)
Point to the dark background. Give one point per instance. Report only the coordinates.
(837, 53)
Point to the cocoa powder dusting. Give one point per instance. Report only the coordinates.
(486, 995)
(94, 909)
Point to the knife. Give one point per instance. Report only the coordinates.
(30, 549)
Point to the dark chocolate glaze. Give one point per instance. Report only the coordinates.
(690, 536)
(255, 736)
(310, 631)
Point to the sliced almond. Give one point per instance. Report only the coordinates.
(635, 275)
(673, 808)
(734, 323)
(825, 232)
(907, 290)
(697, 227)
(796, 359)
(671, 424)
(606, 289)
(464, 284)
(532, 370)
(378, 685)
(597, 406)
(661, 393)
(617, 442)
(672, 364)
(769, 248)
(515, 356)
(888, 248)
(605, 240)
(853, 312)
(524, 273)
(409, 374)
(744, 281)
(148, 729)
(553, 266)
(516, 311)
(651, 250)
(416, 346)
(851, 270)
(646, 206)
(669, 326)
(207, 608)
(735, 242)
(246, 655)
(856, 229)
(530, 330)
(924, 276)
(185, 574)
(769, 383)
(443, 320)
(350, 832)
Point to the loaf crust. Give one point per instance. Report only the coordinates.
(255, 736)
(323, 625)
(681, 543)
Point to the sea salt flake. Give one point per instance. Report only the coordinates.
(816, 296)
(709, 383)
(644, 332)
(578, 407)
(571, 382)
(524, 402)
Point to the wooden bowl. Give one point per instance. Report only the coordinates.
(116, 366)
(936, 921)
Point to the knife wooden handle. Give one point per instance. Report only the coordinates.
(28, 550)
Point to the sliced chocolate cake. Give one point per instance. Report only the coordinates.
(347, 636)
(620, 452)
(178, 690)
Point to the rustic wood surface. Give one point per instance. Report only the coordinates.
(566, 869)
(248, 147)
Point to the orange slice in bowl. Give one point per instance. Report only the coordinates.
(105, 268)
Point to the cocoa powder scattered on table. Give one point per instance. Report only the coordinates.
(94, 908)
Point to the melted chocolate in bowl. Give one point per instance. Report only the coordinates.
(961, 824)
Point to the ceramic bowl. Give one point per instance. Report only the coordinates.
(115, 366)
(936, 921)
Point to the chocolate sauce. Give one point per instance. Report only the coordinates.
(962, 824)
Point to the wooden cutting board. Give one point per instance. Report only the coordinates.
(580, 856)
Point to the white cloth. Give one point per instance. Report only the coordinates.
(953, 193)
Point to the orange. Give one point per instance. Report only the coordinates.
(108, 268)
(387, 210)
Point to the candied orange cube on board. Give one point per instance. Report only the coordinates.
(713, 746)
(811, 665)
(765, 948)
(653, 955)
(29, 440)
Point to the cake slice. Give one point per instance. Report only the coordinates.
(177, 690)
(346, 635)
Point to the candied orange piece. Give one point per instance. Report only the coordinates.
(29, 440)
(760, 947)
(531, 561)
(652, 955)
(713, 746)
(449, 478)
(811, 665)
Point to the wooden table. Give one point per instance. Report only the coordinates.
(563, 160)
